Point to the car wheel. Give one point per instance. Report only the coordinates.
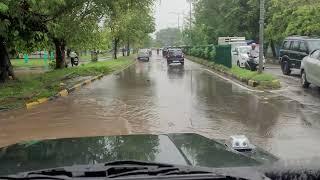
(304, 81)
(285, 68)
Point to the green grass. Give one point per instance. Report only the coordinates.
(29, 88)
(243, 73)
(31, 63)
(87, 57)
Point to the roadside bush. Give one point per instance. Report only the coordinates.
(52, 64)
(193, 51)
(212, 54)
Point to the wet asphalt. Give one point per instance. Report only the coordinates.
(151, 97)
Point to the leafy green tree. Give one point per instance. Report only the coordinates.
(22, 25)
(169, 37)
(129, 20)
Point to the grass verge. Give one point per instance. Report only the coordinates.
(32, 87)
(30, 63)
(264, 80)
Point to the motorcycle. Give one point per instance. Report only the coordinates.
(252, 63)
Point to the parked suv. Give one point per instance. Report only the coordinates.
(294, 49)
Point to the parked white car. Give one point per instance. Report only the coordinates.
(241, 56)
(310, 69)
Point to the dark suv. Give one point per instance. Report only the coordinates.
(175, 56)
(294, 49)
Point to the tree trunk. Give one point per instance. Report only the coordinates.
(94, 56)
(6, 69)
(273, 48)
(128, 48)
(116, 42)
(60, 53)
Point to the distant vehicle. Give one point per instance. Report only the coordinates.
(310, 69)
(144, 54)
(175, 56)
(165, 51)
(294, 49)
(242, 57)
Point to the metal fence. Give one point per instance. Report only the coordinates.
(223, 55)
(220, 54)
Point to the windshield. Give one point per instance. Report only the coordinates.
(175, 53)
(314, 44)
(113, 69)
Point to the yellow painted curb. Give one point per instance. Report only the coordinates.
(77, 86)
(43, 100)
(63, 93)
(87, 81)
(32, 104)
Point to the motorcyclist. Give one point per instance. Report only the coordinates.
(253, 55)
(73, 56)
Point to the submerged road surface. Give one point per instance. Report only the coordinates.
(150, 97)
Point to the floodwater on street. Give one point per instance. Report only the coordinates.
(150, 97)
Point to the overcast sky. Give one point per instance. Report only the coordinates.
(164, 13)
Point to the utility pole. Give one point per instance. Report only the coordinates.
(179, 21)
(261, 34)
(190, 1)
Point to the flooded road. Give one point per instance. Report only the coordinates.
(150, 97)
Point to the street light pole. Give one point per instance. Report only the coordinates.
(261, 34)
(190, 1)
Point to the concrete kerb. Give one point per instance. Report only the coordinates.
(249, 83)
(67, 91)
(62, 93)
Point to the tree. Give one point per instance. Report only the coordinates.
(227, 18)
(169, 37)
(78, 27)
(21, 24)
(30, 24)
(128, 19)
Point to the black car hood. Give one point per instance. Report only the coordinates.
(179, 149)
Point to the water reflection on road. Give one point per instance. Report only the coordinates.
(151, 97)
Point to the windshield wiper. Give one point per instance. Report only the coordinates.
(120, 169)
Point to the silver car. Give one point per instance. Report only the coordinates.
(310, 69)
(144, 54)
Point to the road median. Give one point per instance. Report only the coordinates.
(253, 79)
(33, 90)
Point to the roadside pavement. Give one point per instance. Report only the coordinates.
(292, 88)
